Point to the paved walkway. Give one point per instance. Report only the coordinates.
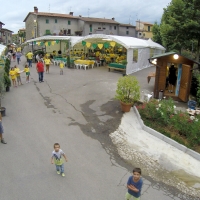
(78, 111)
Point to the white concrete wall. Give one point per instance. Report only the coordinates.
(106, 28)
(131, 30)
(55, 28)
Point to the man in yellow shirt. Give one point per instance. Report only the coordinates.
(29, 56)
(47, 62)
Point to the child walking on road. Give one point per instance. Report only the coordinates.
(27, 70)
(61, 67)
(58, 160)
(12, 74)
(134, 185)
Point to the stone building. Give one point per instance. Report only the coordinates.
(41, 23)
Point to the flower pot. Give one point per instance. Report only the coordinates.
(126, 107)
(7, 89)
(3, 111)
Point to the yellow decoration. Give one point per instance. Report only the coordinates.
(53, 42)
(112, 44)
(100, 46)
(46, 43)
(38, 43)
(88, 44)
(32, 33)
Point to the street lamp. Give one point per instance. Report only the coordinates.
(35, 26)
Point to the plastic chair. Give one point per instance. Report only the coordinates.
(85, 66)
(192, 104)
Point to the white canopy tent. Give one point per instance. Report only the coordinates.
(145, 49)
(2, 49)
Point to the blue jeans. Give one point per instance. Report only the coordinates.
(40, 76)
(30, 62)
(18, 59)
(60, 168)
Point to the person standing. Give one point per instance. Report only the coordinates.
(27, 71)
(40, 70)
(18, 56)
(1, 131)
(12, 74)
(134, 185)
(17, 71)
(47, 62)
(57, 159)
(29, 56)
(61, 67)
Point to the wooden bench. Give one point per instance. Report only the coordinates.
(151, 74)
(115, 68)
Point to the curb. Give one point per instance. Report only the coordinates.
(166, 139)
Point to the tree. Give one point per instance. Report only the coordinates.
(156, 33)
(180, 26)
(192, 23)
(172, 26)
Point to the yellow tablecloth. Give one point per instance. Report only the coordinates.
(85, 62)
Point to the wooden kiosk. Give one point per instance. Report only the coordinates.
(183, 66)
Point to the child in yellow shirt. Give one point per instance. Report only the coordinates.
(12, 74)
(61, 67)
(47, 63)
(27, 70)
(17, 70)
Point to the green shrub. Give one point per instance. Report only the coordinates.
(161, 116)
(128, 89)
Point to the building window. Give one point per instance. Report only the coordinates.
(69, 22)
(104, 28)
(140, 33)
(127, 27)
(48, 32)
(56, 21)
(115, 27)
(99, 27)
(110, 27)
(69, 32)
(90, 27)
(127, 32)
(149, 28)
(47, 21)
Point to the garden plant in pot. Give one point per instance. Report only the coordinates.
(7, 82)
(2, 90)
(128, 92)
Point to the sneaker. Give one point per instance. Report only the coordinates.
(58, 172)
(63, 174)
(3, 141)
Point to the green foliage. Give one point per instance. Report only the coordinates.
(178, 125)
(7, 66)
(7, 81)
(2, 87)
(156, 33)
(128, 89)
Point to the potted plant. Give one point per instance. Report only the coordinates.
(128, 92)
(2, 89)
(7, 82)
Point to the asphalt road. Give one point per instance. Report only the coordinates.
(78, 111)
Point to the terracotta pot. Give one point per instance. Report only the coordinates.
(3, 111)
(126, 107)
